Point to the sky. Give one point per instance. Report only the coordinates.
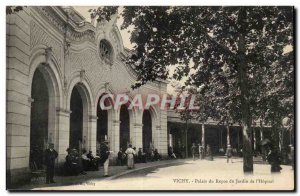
(83, 10)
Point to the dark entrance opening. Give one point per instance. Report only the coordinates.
(124, 128)
(212, 138)
(76, 119)
(39, 119)
(101, 124)
(147, 130)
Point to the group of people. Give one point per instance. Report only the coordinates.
(208, 153)
(275, 159)
(130, 156)
(196, 150)
(201, 152)
(78, 164)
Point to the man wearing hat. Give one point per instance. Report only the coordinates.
(50, 156)
(104, 156)
(229, 153)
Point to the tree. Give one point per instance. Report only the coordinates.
(278, 100)
(13, 9)
(209, 39)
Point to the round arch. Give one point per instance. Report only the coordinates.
(85, 90)
(48, 74)
(79, 89)
(105, 118)
(154, 124)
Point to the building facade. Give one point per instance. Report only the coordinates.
(219, 136)
(58, 68)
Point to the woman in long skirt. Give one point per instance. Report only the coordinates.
(130, 156)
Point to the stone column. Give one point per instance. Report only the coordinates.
(63, 135)
(228, 135)
(261, 131)
(254, 139)
(261, 134)
(92, 133)
(114, 136)
(137, 138)
(291, 137)
(238, 138)
(203, 136)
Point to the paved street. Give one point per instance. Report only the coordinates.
(114, 172)
(188, 174)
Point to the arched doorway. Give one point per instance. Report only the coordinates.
(39, 119)
(76, 119)
(124, 127)
(147, 130)
(102, 122)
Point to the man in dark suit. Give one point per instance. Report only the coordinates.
(50, 156)
(104, 156)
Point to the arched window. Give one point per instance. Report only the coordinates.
(106, 52)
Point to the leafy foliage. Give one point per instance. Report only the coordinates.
(13, 9)
(235, 55)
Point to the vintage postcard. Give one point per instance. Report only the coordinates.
(150, 98)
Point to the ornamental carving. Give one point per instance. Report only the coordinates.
(39, 37)
(63, 27)
(87, 58)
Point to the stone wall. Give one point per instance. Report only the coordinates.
(72, 61)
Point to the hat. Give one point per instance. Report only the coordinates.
(51, 144)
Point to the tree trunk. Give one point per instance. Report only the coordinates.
(246, 121)
(243, 85)
(186, 139)
(276, 137)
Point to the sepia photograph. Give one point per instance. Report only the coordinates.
(150, 98)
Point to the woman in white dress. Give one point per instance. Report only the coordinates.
(130, 156)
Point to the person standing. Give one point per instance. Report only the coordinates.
(50, 156)
(229, 153)
(200, 152)
(193, 151)
(182, 151)
(86, 162)
(274, 160)
(141, 157)
(130, 156)
(94, 159)
(104, 156)
(292, 156)
(209, 153)
(134, 156)
(120, 157)
(171, 153)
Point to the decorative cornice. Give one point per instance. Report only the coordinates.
(63, 26)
